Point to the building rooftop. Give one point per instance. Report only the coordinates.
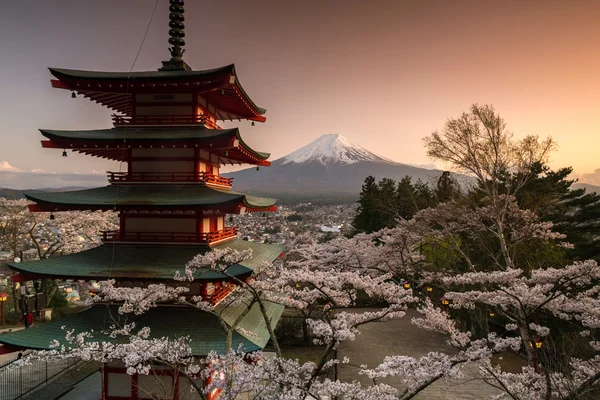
(202, 328)
(147, 197)
(147, 262)
(109, 143)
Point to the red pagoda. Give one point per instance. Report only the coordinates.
(171, 201)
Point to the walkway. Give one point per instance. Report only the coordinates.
(400, 337)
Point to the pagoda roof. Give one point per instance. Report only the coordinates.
(219, 87)
(146, 262)
(109, 143)
(202, 328)
(149, 197)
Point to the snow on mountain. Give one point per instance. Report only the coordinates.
(332, 149)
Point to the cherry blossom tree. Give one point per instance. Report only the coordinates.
(28, 235)
(322, 280)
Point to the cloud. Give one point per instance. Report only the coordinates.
(6, 167)
(425, 166)
(592, 178)
(16, 178)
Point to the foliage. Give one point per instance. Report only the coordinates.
(382, 203)
(470, 247)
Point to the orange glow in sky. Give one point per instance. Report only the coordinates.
(384, 74)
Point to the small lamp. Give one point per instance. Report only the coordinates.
(492, 314)
(406, 285)
(537, 342)
(252, 123)
(429, 289)
(73, 95)
(52, 217)
(445, 301)
(64, 152)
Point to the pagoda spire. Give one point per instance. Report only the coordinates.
(176, 35)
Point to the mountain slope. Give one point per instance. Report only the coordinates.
(331, 149)
(329, 168)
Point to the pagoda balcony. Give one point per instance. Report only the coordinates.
(150, 120)
(170, 237)
(170, 177)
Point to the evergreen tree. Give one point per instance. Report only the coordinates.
(446, 188)
(574, 212)
(367, 218)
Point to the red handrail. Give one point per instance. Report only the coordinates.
(176, 237)
(207, 178)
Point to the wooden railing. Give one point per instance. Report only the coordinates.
(220, 293)
(207, 178)
(174, 237)
(119, 120)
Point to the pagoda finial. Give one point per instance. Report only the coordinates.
(176, 34)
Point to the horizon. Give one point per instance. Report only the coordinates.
(384, 77)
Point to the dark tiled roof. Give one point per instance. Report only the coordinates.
(202, 328)
(132, 134)
(158, 262)
(149, 195)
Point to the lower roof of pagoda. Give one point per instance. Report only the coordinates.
(149, 197)
(203, 329)
(113, 143)
(145, 262)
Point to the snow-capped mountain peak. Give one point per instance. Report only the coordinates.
(331, 149)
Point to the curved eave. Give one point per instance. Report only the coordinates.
(203, 329)
(111, 143)
(220, 86)
(147, 197)
(135, 262)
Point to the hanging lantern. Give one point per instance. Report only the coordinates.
(226, 153)
(64, 153)
(222, 92)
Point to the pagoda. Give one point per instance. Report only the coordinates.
(172, 204)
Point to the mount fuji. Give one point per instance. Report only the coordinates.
(329, 168)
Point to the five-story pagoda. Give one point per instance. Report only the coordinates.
(171, 201)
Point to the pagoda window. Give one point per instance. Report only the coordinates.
(220, 223)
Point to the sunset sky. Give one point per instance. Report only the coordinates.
(384, 74)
